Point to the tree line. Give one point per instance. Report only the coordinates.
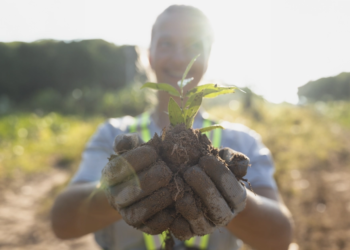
(335, 88)
(45, 72)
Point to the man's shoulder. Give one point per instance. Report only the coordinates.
(237, 129)
(239, 137)
(121, 123)
(108, 130)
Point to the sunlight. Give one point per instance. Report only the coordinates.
(272, 46)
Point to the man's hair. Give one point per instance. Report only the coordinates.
(194, 12)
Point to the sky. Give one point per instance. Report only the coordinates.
(271, 46)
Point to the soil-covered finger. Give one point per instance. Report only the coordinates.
(218, 210)
(142, 185)
(159, 222)
(125, 142)
(237, 162)
(187, 207)
(226, 154)
(131, 162)
(224, 180)
(180, 145)
(181, 229)
(141, 211)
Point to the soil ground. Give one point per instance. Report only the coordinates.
(318, 199)
(24, 215)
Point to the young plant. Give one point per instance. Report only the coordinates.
(184, 114)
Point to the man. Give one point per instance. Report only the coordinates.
(179, 34)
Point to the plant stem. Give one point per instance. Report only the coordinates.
(182, 96)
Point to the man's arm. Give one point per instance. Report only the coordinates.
(81, 209)
(265, 223)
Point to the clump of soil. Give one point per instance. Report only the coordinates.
(169, 167)
(181, 148)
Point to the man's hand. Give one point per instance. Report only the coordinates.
(136, 182)
(143, 189)
(220, 191)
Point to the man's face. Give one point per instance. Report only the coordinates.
(176, 40)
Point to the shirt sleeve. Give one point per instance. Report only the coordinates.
(96, 154)
(262, 169)
(248, 142)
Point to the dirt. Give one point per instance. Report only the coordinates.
(318, 197)
(157, 176)
(162, 220)
(117, 169)
(24, 214)
(239, 162)
(180, 149)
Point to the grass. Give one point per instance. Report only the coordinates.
(311, 140)
(298, 137)
(308, 144)
(30, 144)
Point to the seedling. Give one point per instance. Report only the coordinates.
(185, 114)
(178, 149)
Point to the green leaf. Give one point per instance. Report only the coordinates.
(210, 93)
(192, 107)
(211, 90)
(199, 89)
(161, 86)
(206, 129)
(175, 113)
(189, 66)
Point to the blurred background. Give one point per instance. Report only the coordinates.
(66, 66)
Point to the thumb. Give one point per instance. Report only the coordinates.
(126, 142)
(237, 162)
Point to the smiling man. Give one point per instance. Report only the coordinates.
(260, 220)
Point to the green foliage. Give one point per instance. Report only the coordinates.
(162, 86)
(212, 127)
(175, 113)
(334, 88)
(85, 102)
(292, 133)
(185, 114)
(28, 69)
(189, 66)
(30, 143)
(338, 112)
(191, 109)
(211, 90)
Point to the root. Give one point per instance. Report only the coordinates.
(163, 134)
(177, 187)
(187, 157)
(174, 148)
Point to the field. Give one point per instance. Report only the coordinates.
(310, 146)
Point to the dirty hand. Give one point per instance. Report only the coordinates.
(219, 188)
(135, 181)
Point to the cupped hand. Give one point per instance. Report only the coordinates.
(136, 181)
(217, 183)
(151, 198)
